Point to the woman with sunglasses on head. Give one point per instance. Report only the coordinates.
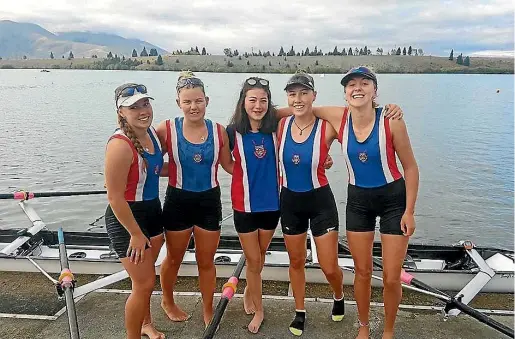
(133, 163)
(195, 147)
(255, 184)
(376, 188)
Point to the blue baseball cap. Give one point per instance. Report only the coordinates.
(360, 71)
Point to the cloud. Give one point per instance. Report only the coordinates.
(435, 26)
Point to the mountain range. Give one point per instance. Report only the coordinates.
(33, 41)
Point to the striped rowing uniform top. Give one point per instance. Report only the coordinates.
(255, 179)
(302, 164)
(193, 167)
(143, 183)
(371, 163)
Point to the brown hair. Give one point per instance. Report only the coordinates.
(240, 120)
(127, 129)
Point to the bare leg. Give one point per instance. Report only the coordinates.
(254, 246)
(176, 245)
(360, 244)
(327, 249)
(394, 251)
(296, 246)
(206, 243)
(148, 327)
(143, 278)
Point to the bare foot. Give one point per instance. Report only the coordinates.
(174, 312)
(248, 304)
(208, 315)
(387, 335)
(150, 331)
(364, 332)
(255, 324)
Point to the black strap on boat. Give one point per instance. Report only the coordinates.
(451, 302)
(228, 290)
(22, 195)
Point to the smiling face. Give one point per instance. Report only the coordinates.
(360, 92)
(301, 99)
(193, 103)
(256, 104)
(138, 115)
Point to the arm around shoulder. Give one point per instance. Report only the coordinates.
(226, 159)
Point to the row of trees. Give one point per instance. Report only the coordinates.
(460, 60)
(318, 52)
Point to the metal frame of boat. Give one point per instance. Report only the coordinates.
(428, 269)
(443, 267)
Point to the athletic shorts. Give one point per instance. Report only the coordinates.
(315, 209)
(148, 215)
(246, 222)
(387, 202)
(184, 209)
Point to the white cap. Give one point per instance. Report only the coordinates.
(128, 101)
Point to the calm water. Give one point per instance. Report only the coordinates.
(54, 127)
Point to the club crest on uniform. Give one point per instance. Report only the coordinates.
(296, 159)
(363, 157)
(259, 151)
(197, 158)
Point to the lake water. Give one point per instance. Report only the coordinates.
(54, 127)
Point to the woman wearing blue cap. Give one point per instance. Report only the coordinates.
(376, 188)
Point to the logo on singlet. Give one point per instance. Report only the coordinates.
(197, 157)
(296, 159)
(362, 156)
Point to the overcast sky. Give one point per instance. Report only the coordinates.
(468, 26)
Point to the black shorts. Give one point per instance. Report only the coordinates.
(387, 202)
(246, 222)
(315, 209)
(184, 209)
(148, 215)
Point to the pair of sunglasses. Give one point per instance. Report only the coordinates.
(131, 90)
(254, 81)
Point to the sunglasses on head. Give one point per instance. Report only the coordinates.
(189, 81)
(131, 90)
(254, 81)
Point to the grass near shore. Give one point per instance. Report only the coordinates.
(312, 64)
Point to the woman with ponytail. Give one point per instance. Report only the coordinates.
(133, 163)
(195, 147)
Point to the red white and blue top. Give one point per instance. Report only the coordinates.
(302, 164)
(371, 163)
(193, 167)
(143, 182)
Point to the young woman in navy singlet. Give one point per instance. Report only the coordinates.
(133, 163)
(376, 188)
(196, 147)
(306, 198)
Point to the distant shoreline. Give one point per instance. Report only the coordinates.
(257, 64)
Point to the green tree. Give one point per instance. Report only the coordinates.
(410, 50)
(451, 56)
(159, 60)
(398, 51)
(350, 51)
(466, 62)
(153, 52)
(134, 53)
(459, 59)
(196, 50)
(420, 52)
(203, 51)
(51, 55)
(109, 55)
(306, 52)
(144, 52)
(281, 52)
(404, 51)
(70, 56)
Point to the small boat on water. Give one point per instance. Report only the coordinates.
(444, 267)
(429, 269)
